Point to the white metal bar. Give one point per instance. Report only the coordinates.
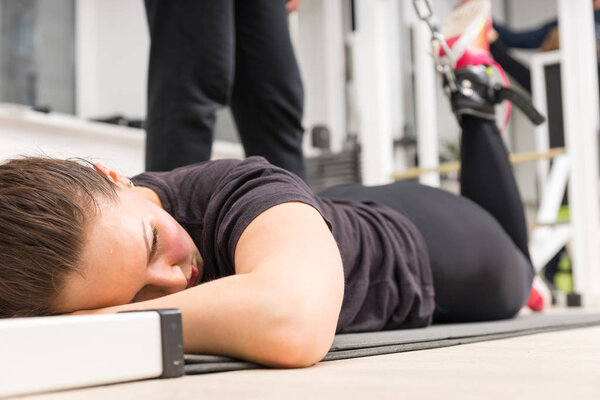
(546, 241)
(398, 40)
(54, 353)
(425, 105)
(551, 198)
(372, 72)
(580, 106)
(539, 96)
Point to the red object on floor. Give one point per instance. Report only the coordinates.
(536, 301)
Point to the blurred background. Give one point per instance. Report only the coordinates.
(73, 76)
(88, 59)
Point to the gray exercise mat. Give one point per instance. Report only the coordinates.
(353, 345)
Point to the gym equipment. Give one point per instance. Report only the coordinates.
(515, 158)
(354, 345)
(333, 169)
(62, 352)
(462, 28)
(580, 104)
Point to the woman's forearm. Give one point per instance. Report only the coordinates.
(239, 316)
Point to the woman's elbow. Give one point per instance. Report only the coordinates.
(299, 349)
(307, 323)
(305, 338)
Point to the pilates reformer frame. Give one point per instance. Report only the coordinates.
(454, 166)
(44, 354)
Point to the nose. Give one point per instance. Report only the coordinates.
(167, 278)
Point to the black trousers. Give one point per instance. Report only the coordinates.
(477, 242)
(205, 54)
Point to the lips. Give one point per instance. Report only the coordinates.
(193, 277)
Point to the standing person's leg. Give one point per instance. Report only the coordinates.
(267, 100)
(190, 76)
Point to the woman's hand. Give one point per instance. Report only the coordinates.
(292, 5)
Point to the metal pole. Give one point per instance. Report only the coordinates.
(580, 108)
(372, 71)
(425, 106)
(539, 97)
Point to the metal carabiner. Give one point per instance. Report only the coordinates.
(423, 9)
(445, 65)
(441, 40)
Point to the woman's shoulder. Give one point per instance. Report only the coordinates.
(206, 171)
(194, 182)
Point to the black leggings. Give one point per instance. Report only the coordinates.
(478, 241)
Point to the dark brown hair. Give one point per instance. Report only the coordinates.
(45, 206)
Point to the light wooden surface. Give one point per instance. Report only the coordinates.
(559, 365)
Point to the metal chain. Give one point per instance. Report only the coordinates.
(445, 65)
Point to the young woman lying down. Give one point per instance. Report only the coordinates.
(262, 268)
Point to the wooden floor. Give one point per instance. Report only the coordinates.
(558, 365)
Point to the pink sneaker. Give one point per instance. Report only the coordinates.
(466, 32)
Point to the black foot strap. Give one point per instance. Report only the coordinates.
(502, 93)
(475, 95)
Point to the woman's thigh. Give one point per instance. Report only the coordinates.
(479, 273)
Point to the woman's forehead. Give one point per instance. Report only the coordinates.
(113, 236)
(113, 260)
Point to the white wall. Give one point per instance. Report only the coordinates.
(54, 50)
(111, 56)
(530, 13)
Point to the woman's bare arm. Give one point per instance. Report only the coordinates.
(282, 306)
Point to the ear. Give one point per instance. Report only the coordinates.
(113, 176)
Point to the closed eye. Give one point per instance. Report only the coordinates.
(151, 254)
(154, 245)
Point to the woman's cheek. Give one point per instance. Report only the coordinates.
(175, 242)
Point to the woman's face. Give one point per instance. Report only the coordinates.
(134, 251)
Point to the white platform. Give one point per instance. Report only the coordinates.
(63, 352)
(559, 365)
